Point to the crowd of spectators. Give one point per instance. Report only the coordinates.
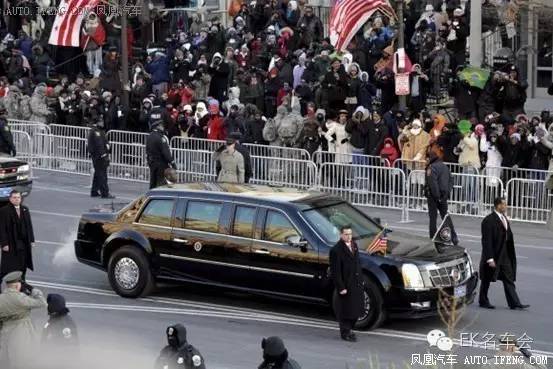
(272, 77)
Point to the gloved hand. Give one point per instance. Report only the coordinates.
(173, 165)
(344, 141)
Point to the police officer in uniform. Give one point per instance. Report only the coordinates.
(158, 154)
(99, 150)
(6, 137)
(179, 353)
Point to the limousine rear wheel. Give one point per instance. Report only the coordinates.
(129, 272)
(374, 314)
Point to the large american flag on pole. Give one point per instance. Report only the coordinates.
(66, 30)
(348, 16)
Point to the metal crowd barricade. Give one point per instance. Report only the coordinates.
(321, 157)
(284, 172)
(128, 161)
(127, 137)
(64, 154)
(23, 145)
(506, 173)
(194, 165)
(365, 185)
(471, 195)
(278, 152)
(192, 143)
(69, 131)
(529, 200)
(36, 131)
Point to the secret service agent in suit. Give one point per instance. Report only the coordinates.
(499, 260)
(345, 269)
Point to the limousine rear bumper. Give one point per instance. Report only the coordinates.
(409, 304)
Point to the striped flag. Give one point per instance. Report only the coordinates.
(66, 30)
(380, 243)
(348, 16)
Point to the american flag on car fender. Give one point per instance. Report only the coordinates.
(379, 243)
(348, 16)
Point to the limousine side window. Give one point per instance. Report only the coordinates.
(244, 218)
(203, 216)
(158, 212)
(278, 228)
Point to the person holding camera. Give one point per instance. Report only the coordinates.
(17, 332)
(220, 73)
(457, 38)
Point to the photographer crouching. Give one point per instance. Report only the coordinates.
(17, 334)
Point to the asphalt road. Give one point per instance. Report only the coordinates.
(228, 326)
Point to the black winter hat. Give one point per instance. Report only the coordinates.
(273, 346)
(56, 304)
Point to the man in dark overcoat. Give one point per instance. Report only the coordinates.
(16, 236)
(345, 269)
(498, 256)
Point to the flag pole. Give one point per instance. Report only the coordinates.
(124, 55)
(402, 99)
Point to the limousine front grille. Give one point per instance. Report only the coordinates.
(450, 274)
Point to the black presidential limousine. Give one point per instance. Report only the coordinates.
(264, 239)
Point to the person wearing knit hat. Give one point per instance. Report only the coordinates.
(275, 355)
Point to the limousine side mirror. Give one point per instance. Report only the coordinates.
(296, 241)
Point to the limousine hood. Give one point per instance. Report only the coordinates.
(408, 246)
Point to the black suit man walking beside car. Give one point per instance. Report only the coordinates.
(498, 257)
(345, 269)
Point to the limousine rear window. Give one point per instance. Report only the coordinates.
(327, 221)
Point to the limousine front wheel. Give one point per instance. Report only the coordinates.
(374, 314)
(129, 272)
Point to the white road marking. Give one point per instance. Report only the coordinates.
(232, 313)
(76, 192)
(422, 230)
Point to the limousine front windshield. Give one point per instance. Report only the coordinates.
(327, 221)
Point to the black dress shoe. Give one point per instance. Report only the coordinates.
(487, 306)
(519, 307)
(352, 337)
(349, 338)
(108, 196)
(94, 195)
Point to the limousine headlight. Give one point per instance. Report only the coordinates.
(23, 168)
(412, 277)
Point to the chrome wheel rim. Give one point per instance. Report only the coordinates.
(367, 306)
(127, 273)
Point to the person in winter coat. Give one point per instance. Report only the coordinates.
(254, 129)
(367, 92)
(419, 89)
(39, 107)
(389, 152)
(512, 92)
(231, 162)
(158, 154)
(109, 78)
(201, 83)
(158, 67)
(353, 87)
(539, 153)
(17, 333)
(376, 134)
(289, 124)
(358, 129)
(219, 71)
(180, 66)
(468, 147)
(41, 64)
(310, 138)
(413, 144)
(440, 61)
(234, 122)
(311, 26)
(275, 355)
(489, 145)
(334, 85)
(233, 99)
(338, 139)
(215, 125)
(179, 353)
(451, 137)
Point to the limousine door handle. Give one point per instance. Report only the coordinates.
(262, 251)
(180, 240)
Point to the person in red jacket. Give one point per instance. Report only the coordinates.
(215, 128)
(389, 152)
